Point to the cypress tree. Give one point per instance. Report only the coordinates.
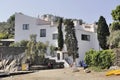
(60, 34)
(102, 33)
(71, 40)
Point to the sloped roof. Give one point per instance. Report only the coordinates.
(39, 21)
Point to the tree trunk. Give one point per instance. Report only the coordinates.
(75, 69)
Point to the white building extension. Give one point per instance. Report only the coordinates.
(47, 31)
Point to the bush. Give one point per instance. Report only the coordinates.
(103, 59)
(114, 39)
(88, 57)
(22, 43)
(115, 26)
(3, 35)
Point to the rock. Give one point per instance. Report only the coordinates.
(75, 69)
(87, 71)
(114, 67)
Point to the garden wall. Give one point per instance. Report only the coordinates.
(7, 51)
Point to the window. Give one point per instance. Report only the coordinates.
(55, 36)
(87, 27)
(25, 26)
(42, 32)
(85, 37)
(58, 56)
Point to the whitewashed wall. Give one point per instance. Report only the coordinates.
(84, 46)
(21, 34)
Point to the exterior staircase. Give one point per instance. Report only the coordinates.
(58, 61)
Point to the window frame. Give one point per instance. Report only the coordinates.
(55, 36)
(42, 32)
(85, 37)
(25, 27)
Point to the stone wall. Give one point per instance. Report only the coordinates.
(8, 51)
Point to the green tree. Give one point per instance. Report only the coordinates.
(116, 13)
(8, 27)
(11, 22)
(116, 17)
(115, 26)
(52, 49)
(60, 34)
(102, 32)
(70, 39)
(114, 39)
(4, 27)
(3, 36)
(35, 50)
(31, 49)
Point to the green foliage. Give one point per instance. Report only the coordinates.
(65, 21)
(52, 49)
(89, 57)
(31, 49)
(114, 39)
(33, 37)
(8, 27)
(41, 47)
(103, 59)
(102, 32)
(16, 44)
(60, 35)
(70, 39)
(22, 43)
(3, 36)
(57, 19)
(4, 27)
(11, 20)
(35, 50)
(81, 21)
(116, 13)
(115, 26)
(69, 22)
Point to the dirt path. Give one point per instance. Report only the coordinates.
(63, 74)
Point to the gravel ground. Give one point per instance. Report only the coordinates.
(63, 74)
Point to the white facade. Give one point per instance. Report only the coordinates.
(36, 24)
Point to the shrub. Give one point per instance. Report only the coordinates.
(103, 59)
(22, 43)
(115, 26)
(114, 39)
(3, 35)
(88, 57)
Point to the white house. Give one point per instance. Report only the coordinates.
(47, 31)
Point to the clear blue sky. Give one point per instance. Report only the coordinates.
(88, 10)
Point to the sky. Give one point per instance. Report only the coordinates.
(87, 10)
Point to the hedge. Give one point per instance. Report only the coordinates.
(103, 59)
